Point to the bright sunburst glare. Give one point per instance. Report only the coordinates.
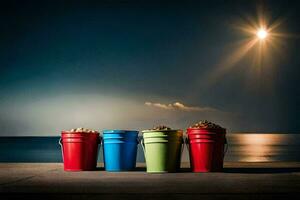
(262, 33)
(259, 48)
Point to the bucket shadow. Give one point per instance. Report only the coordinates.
(181, 170)
(100, 169)
(137, 169)
(144, 169)
(184, 170)
(262, 170)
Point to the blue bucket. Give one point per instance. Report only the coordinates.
(120, 149)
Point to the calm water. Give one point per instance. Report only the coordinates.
(242, 147)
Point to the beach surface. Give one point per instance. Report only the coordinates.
(238, 181)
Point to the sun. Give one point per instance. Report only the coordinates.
(258, 51)
(261, 34)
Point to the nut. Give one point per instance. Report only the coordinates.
(82, 130)
(206, 124)
(161, 127)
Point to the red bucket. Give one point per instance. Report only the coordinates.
(206, 149)
(79, 151)
(201, 154)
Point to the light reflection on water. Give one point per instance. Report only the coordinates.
(258, 147)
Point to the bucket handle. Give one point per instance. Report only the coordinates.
(143, 147)
(187, 143)
(99, 143)
(62, 148)
(226, 147)
(182, 146)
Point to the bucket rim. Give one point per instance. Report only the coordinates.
(163, 141)
(162, 135)
(166, 131)
(207, 129)
(66, 133)
(117, 131)
(175, 137)
(110, 138)
(202, 141)
(205, 133)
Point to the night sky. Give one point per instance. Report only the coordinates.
(135, 64)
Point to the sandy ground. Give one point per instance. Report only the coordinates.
(279, 180)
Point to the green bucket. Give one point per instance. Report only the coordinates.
(162, 150)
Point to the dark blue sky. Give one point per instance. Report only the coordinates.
(95, 64)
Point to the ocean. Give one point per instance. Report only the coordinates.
(243, 147)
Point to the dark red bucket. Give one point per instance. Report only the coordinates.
(79, 150)
(206, 148)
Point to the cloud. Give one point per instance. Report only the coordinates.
(179, 106)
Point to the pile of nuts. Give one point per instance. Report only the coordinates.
(161, 128)
(82, 130)
(206, 124)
